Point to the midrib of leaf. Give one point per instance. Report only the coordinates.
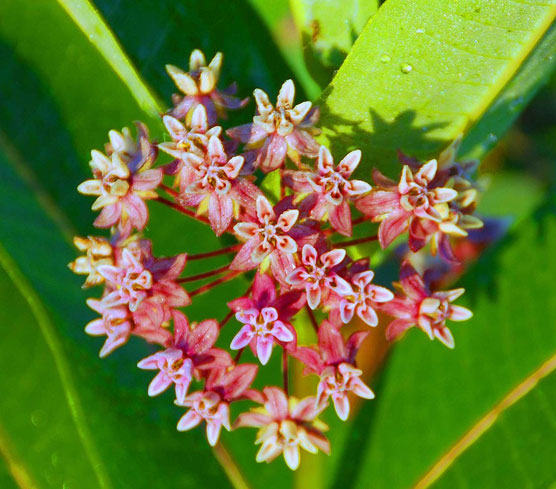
(89, 20)
(50, 336)
(485, 422)
(511, 69)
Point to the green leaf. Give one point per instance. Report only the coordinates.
(435, 405)
(423, 72)
(328, 30)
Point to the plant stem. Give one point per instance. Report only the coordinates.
(312, 318)
(183, 210)
(227, 317)
(210, 285)
(285, 371)
(238, 356)
(201, 276)
(169, 190)
(221, 251)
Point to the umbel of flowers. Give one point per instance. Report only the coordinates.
(294, 247)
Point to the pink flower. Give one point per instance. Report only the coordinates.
(265, 318)
(285, 427)
(187, 145)
(191, 350)
(123, 180)
(285, 129)
(129, 281)
(422, 308)
(267, 238)
(334, 363)
(332, 188)
(213, 404)
(362, 298)
(117, 325)
(199, 88)
(396, 207)
(316, 275)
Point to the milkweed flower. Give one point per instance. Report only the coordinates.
(198, 86)
(267, 238)
(420, 307)
(316, 274)
(333, 190)
(265, 318)
(212, 405)
(190, 353)
(285, 426)
(333, 361)
(98, 251)
(362, 298)
(279, 131)
(123, 180)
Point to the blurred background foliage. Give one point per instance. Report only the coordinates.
(69, 420)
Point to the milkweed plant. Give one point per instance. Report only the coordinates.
(293, 247)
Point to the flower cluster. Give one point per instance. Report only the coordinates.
(291, 245)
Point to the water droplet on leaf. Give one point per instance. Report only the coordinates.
(385, 58)
(406, 68)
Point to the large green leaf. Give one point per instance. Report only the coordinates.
(435, 405)
(328, 30)
(423, 72)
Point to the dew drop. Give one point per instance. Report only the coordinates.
(406, 68)
(492, 138)
(385, 59)
(420, 31)
(38, 418)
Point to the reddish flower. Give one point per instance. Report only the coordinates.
(211, 184)
(123, 180)
(397, 206)
(267, 238)
(266, 318)
(117, 325)
(362, 298)
(212, 405)
(332, 188)
(98, 252)
(422, 308)
(333, 361)
(316, 275)
(191, 351)
(199, 88)
(285, 427)
(285, 129)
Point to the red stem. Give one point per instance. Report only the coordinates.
(169, 190)
(312, 318)
(238, 356)
(210, 285)
(226, 318)
(353, 242)
(183, 210)
(359, 220)
(201, 276)
(222, 251)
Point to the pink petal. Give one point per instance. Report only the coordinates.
(360, 389)
(339, 285)
(291, 456)
(213, 432)
(303, 143)
(247, 133)
(221, 210)
(147, 180)
(298, 276)
(203, 336)
(243, 259)
(108, 216)
(340, 218)
(325, 162)
(445, 336)
(264, 349)
(237, 380)
(346, 311)
(349, 163)
(458, 313)
(242, 338)
(246, 230)
(149, 363)
(199, 122)
(332, 258)
(286, 244)
(331, 343)
(189, 420)
(264, 209)
(309, 255)
(391, 228)
(353, 344)
(113, 342)
(412, 283)
(159, 384)
(427, 171)
(341, 405)
(357, 187)
(367, 314)
(273, 153)
(281, 332)
(276, 402)
(281, 265)
(96, 327)
(264, 290)
(313, 295)
(287, 219)
(136, 210)
(181, 391)
(397, 327)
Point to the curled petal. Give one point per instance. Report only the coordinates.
(341, 405)
(281, 332)
(189, 420)
(159, 384)
(333, 257)
(273, 153)
(286, 95)
(349, 163)
(367, 314)
(445, 336)
(286, 244)
(246, 230)
(291, 456)
(313, 295)
(287, 219)
(242, 338)
(264, 209)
